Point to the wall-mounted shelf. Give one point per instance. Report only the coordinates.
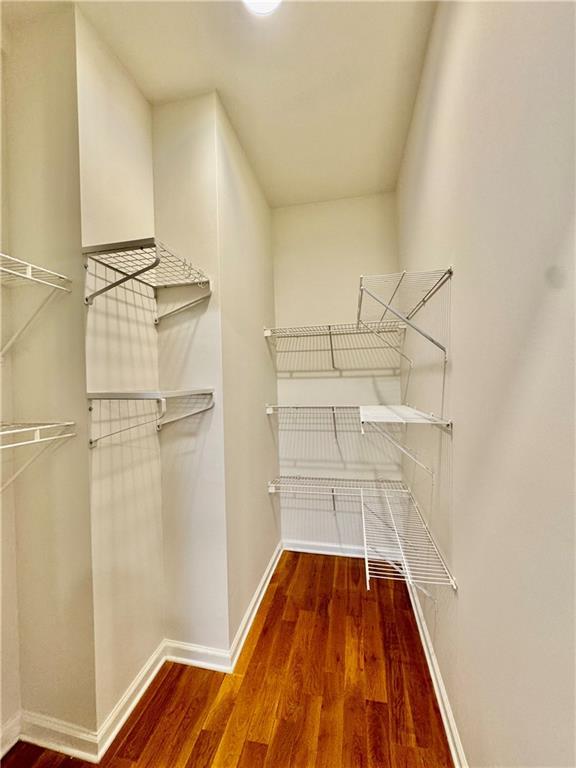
(399, 414)
(20, 434)
(14, 435)
(150, 262)
(15, 273)
(337, 347)
(316, 418)
(397, 541)
(383, 420)
(185, 403)
(401, 295)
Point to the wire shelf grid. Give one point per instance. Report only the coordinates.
(399, 414)
(15, 272)
(16, 434)
(337, 347)
(158, 266)
(407, 292)
(334, 330)
(170, 406)
(397, 541)
(401, 296)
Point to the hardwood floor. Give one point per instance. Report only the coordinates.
(331, 676)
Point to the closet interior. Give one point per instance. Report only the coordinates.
(285, 304)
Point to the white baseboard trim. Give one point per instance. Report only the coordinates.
(218, 659)
(51, 733)
(91, 746)
(10, 733)
(454, 741)
(123, 709)
(252, 610)
(323, 548)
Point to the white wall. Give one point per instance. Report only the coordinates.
(52, 496)
(10, 702)
(487, 184)
(320, 251)
(115, 145)
(115, 125)
(190, 356)
(245, 254)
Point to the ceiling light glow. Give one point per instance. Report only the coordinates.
(262, 7)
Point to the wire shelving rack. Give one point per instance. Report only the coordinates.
(397, 541)
(16, 273)
(399, 414)
(338, 346)
(150, 262)
(387, 421)
(170, 406)
(36, 433)
(401, 295)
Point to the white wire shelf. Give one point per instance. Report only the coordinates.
(401, 295)
(30, 433)
(336, 329)
(366, 414)
(42, 434)
(399, 414)
(15, 273)
(388, 422)
(150, 262)
(171, 406)
(397, 541)
(337, 347)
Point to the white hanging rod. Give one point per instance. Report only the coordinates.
(150, 262)
(36, 433)
(16, 273)
(406, 293)
(160, 397)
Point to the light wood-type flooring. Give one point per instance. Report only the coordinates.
(331, 676)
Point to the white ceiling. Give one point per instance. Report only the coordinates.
(320, 93)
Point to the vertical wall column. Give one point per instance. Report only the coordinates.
(190, 356)
(52, 498)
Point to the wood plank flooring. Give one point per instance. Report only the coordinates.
(331, 676)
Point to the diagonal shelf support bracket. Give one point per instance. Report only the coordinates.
(161, 406)
(186, 415)
(399, 446)
(47, 444)
(14, 338)
(401, 317)
(182, 307)
(89, 300)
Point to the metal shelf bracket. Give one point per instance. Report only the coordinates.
(182, 307)
(89, 299)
